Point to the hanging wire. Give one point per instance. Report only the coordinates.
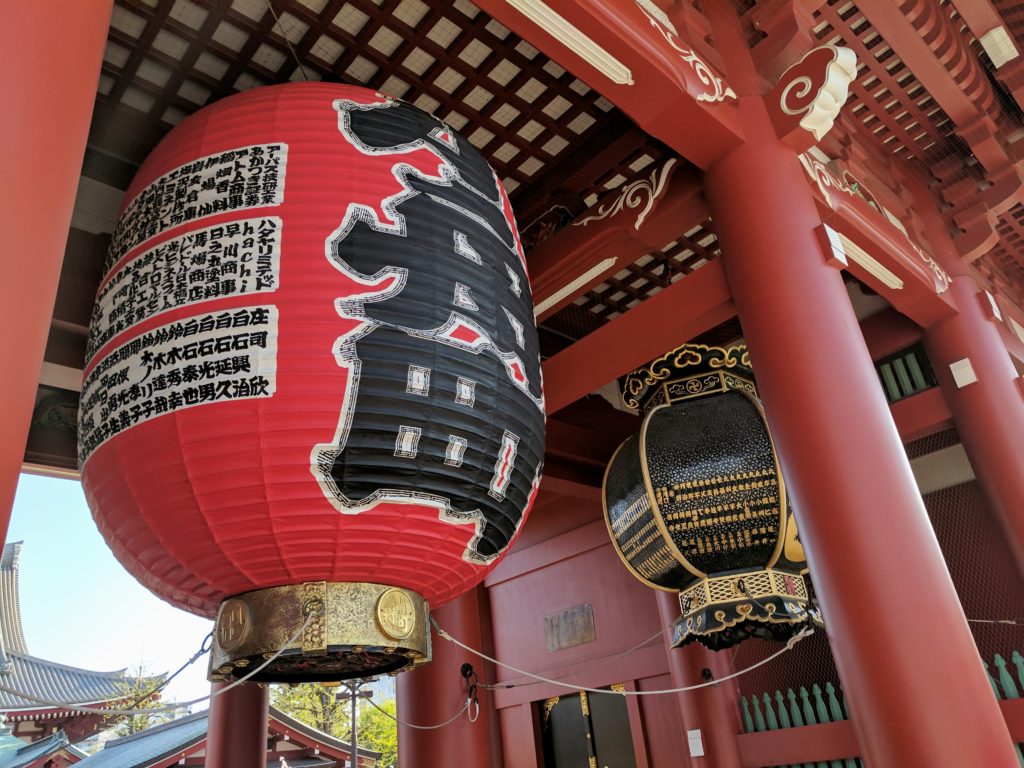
(77, 706)
(449, 721)
(805, 632)
(1010, 622)
(280, 28)
(203, 650)
(472, 703)
(598, 663)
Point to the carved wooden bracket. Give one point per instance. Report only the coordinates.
(807, 99)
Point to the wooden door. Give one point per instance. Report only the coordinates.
(587, 730)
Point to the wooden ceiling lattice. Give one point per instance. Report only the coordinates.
(887, 99)
(167, 58)
(1004, 260)
(651, 273)
(890, 107)
(537, 124)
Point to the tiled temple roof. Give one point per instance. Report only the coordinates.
(15, 756)
(49, 681)
(150, 745)
(160, 742)
(39, 678)
(10, 605)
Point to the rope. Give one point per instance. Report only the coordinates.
(600, 662)
(1010, 622)
(76, 706)
(805, 632)
(280, 27)
(203, 650)
(449, 721)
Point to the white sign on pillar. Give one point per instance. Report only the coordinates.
(695, 743)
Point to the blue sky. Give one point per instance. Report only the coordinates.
(80, 607)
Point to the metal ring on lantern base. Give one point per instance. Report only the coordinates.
(353, 630)
(720, 611)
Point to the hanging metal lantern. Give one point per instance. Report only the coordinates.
(695, 502)
(312, 403)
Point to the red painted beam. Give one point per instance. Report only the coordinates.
(579, 444)
(968, 102)
(617, 231)
(637, 63)
(238, 726)
(889, 331)
(695, 304)
(921, 415)
(555, 483)
(1013, 711)
(1012, 327)
(809, 744)
(921, 291)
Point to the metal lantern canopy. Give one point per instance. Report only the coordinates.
(312, 402)
(695, 502)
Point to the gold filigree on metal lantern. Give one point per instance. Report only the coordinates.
(696, 503)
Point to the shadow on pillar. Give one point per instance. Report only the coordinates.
(436, 691)
(237, 731)
(713, 711)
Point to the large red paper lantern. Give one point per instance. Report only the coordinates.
(313, 378)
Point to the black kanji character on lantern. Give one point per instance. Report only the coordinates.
(444, 401)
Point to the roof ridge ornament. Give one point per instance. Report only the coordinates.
(715, 88)
(810, 94)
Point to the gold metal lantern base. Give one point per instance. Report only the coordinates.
(720, 611)
(328, 631)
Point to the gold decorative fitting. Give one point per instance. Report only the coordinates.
(314, 606)
(649, 386)
(548, 706)
(396, 614)
(750, 586)
(233, 622)
(326, 631)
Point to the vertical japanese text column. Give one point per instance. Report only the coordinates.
(51, 54)
(918, 693)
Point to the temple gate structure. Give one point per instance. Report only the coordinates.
(838, 184)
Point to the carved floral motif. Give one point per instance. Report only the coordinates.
(714, 88)
(830, 184)
(640, 194)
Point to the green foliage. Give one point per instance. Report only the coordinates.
(136, 693)
(315, 705)
(318, 707)
(379, 732)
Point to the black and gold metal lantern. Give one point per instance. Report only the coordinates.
(696, 503)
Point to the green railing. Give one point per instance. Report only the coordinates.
(770, 712)
(1005, 687)
(794, 709)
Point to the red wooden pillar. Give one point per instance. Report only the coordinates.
(714, 711)
(912, 674)
(988, 412)
(237, 733)
(436, 691)
(50, 54)
(987, 404)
